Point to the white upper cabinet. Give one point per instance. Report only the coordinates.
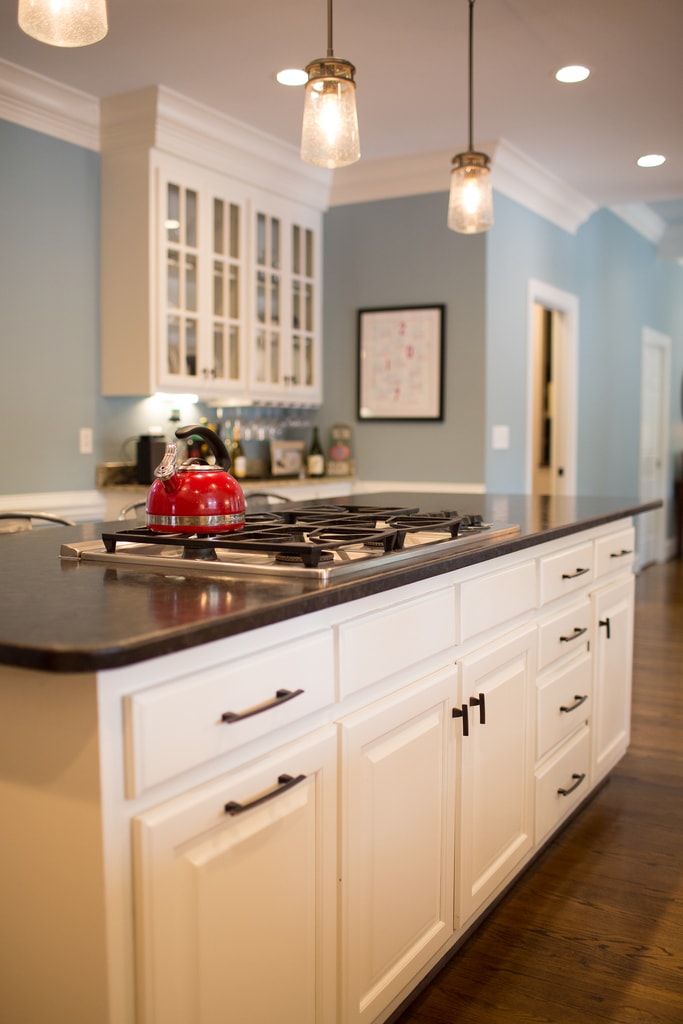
(211, 257)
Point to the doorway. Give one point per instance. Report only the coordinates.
(552, 390)
(654, 445)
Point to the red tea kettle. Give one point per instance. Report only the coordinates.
(195, 497)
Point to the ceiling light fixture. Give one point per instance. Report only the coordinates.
(292, 76)
(572, 73)
(329, 135)
(64, 22)
(651, 160)
(470, 204)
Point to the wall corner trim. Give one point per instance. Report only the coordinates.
(43, 105)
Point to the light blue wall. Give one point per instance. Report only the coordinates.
(389, 253)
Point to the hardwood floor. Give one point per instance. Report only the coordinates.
(593, 932)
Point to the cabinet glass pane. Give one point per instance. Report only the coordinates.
(260, 360)
(172, 213)
(309, 307)
(234, 354)
(274, 358)
(261, 239)
(308, 362)
(191, 347)
(172, 279)
(261, 297)
(309, 253)
(173, 344)
(219, 350)
(234, 247)
(191, 218)
(296, 304)
(275, 299)
(296, 359)
(218, 288)
(275, 242)
(191, 283)
(296, 249)
(234, 309)
(218, 226)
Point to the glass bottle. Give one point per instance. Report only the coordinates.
(315, 462)
(237, 456)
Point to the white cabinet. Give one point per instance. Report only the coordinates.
(613, 657)
(235, 892)
(397, 842)
(495, 809)
(209, 285)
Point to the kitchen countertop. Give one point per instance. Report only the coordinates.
(60, 616)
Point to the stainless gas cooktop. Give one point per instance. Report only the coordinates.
(324, 542)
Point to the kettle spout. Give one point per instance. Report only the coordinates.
(167, 470)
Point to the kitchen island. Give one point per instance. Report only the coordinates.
(233, 798)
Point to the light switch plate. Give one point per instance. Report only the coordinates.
(500, 437)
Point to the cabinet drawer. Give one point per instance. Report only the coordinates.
(562, 783)
(566, 633)
(178, 725)
(375, 646)
(491, 600)
(615, 552)
(563, 702)
(567, 571)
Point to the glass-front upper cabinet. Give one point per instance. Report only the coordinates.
(285, 363)
(202, 284)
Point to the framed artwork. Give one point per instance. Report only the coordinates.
(400, 363)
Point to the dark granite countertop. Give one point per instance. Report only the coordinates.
(62, 616)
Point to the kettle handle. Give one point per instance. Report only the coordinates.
(212, 439)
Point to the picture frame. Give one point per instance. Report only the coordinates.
(400, 363)
(286, 458)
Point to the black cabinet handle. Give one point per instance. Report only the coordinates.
(620, 554)
(578, 701)
(480, 701)
(573, 575)
(578, 631)
(464, 713)
(607, 625)
(578, 779)
(281, 696)
(284, 782)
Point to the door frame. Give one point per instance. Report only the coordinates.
(567, 305)
(656, 339)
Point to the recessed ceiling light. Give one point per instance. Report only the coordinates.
(292, 76)
(572, 73)
(651, 160)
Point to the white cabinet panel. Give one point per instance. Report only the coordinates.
(613, 659)
(491, 600)
(562, 783)
(615, 552)
(564, 702)
(565, 633)
(566, 572)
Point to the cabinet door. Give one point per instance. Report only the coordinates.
(397, 842)
(286, 281)
(613, 660)
(235, 886)
(201, 232)
(496, 821)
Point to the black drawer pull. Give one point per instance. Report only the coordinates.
(573, 575)
(464, 713)
(578, 779)
(284, 782)
(480, 701)
(578, 701)
(606, 623)
(620, 554)
(281, 696)
(578, 631)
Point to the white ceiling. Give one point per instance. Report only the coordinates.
(411, 60)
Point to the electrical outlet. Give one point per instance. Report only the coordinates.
(85, 441)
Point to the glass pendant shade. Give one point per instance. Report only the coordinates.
(470, 204)
(64, 22)
(329, 135)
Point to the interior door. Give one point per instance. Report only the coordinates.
(654, 419)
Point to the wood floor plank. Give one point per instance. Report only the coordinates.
(593, 931)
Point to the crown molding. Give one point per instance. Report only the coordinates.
(36, 102)
(512, 174)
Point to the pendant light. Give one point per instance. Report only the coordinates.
(329, 135)
(64, 22)
(470, 204)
